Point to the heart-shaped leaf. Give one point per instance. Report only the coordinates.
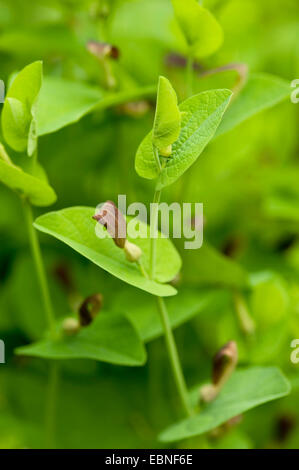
(202, 116)
(262, 91)
(109, 338)
(37, 190)
(75, 227)
(246, 389)
(167, 123)
(73, 100)
(202, 32)
(141, 309)
(19, 110)
(208, 266)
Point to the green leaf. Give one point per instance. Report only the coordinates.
(73, 100)
(167, 123)
(75, 227)
(19, 110)
(262, 91)
(208, 266)
(141, 309)
(38, 191)
(109, 338)
(202, 32)
(245, 390)
(269, 302)
(282, 207)
(202, 115)
(15, 124)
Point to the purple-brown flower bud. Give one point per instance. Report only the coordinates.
(113, 220)
(89, 309)
(224, 363)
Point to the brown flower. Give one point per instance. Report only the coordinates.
(224, 362)
(113, 220)
(102, 49)
(89, 309)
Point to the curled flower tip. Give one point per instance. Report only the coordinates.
(102, 49)
(89, 309)
(112, 219)
(132, 251)
(70, 326)
(224, 363)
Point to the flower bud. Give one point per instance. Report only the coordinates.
(112, 219)
(166, 152)
(70, 326)
(89, 309)
(208, 392)
(134, 109)
(224, 363)
(132, 251)
(102, 50)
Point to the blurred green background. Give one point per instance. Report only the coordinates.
(247, 180)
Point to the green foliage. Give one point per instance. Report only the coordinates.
(208, 266)
(245, 390)
(35, 189)
(202, 32)
(73, 100)
(19, 125)
(76, 228)
(110, 338)
(202, 115)
(262, 91)
(90, 114)
(269, 301)
(167, 124)
(141, 309)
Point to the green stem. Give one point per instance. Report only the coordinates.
(51, 405)
(4, 156)
(153, 233)
(157, 158)
(246, 322)
(173, 356)
(169, 338)
(189, 76)
(39, 266)
(142, 269)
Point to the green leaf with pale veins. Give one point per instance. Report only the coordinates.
(75, 227)
(201, 30)
(202, 115)
(109, 338)
(245, 390)
(167, 123)
(19, 111)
